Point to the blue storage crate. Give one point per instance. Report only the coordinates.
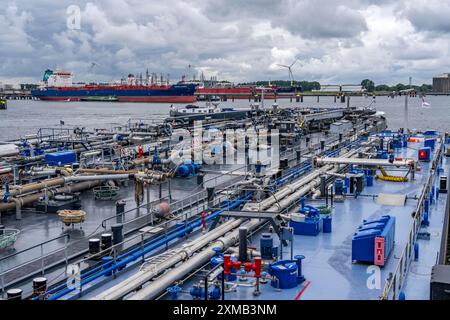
(431, 133)
(60, 158)
(309, 227)
(429, 143)
(363, 242)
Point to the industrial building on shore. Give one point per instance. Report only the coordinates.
(441, 83)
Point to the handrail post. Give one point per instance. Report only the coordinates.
(3, 284)
(42, 259)
(142, 247)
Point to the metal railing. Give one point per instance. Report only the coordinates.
(40, 258)
(183, 209)
(394, 282)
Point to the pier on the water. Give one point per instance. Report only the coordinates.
(17, 94)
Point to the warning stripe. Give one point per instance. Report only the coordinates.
(303, 290)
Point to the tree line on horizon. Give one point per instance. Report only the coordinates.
(367, 84)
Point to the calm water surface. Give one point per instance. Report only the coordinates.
(26, 117)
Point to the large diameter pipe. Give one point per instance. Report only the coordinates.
(289, 189)
(100, 177)
(49, 183)
(48, 172)
(124, 260)
(32, 187)
(152, 290)
(159, 240)
(25, 200)
(364, 162)
(144, 275)
(147, 160)
(106, 171)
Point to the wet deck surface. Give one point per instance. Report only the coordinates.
(328, 269)
(40, 227)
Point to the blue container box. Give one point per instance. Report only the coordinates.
(363, 242)
(285, 271)
(429, 143)
(60, 158)
(309, 227)
(429, 133)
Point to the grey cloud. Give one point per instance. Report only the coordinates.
(235, 39)
(430, 16)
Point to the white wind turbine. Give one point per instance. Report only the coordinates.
(291, 76)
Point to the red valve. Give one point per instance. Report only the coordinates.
(255, 266)
(204, 215)
(228, 264)
(140, 152)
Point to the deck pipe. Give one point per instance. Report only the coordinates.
(135, 254)
(289, 189)
(47, 172)
(106, 171)
(136, 280)
(151, 290)
(25, 200)
(122, 263)
(154, 288)
(61, 181)
(185, 228)
(36, 186)
(76, 149)
(243, 244)
(176, 229)
(366, 162)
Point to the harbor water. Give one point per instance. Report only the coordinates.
(26, 117)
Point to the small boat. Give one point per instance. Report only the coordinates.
(194, 109)
(70, 217)
(8, 237)
(3, 104)
(192, 113)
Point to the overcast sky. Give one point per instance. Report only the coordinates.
(239, 40)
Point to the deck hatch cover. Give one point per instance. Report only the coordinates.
(391, 199)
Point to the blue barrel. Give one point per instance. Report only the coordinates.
(369, 181)
(285, 272)
(326, 228)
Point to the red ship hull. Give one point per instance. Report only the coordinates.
(157, 99)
